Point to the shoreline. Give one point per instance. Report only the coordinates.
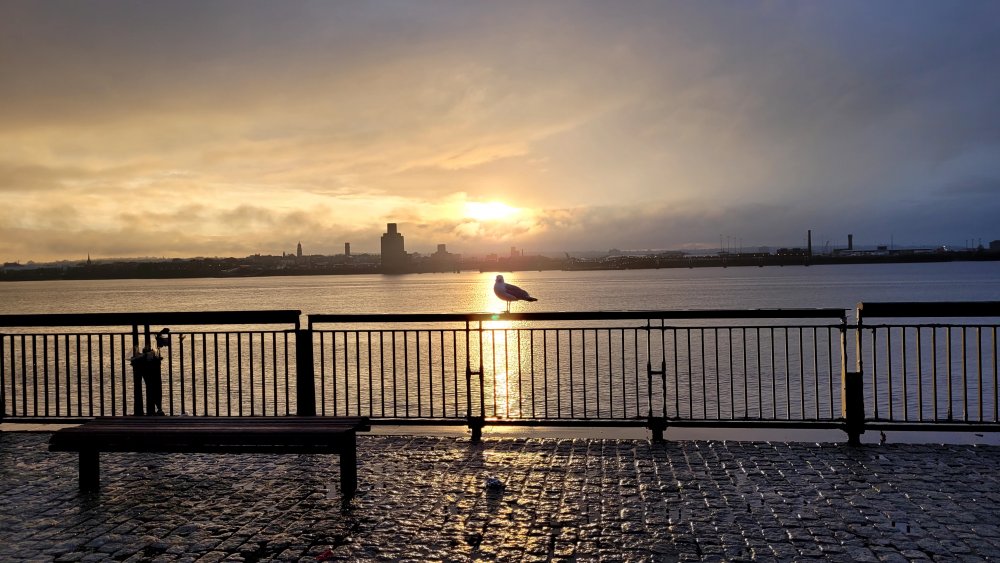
(196, 268)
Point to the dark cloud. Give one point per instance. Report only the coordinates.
(975, 186)
(242, 125)
(21, 176)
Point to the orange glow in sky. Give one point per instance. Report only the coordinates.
(183, 129)
(491, 211)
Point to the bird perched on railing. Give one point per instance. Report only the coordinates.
(510, 292)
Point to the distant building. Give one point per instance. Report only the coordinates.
(444, 261)
(791, 252)
(347, 249)
(394, 259)
(298, 250)
(671, 254)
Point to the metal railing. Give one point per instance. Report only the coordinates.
(226, 364)
(763, 367)
(926, 366)
(917, 366)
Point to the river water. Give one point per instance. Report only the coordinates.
(839, 286)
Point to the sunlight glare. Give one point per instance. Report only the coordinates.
(491, 211)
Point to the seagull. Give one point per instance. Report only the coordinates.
(510, 292)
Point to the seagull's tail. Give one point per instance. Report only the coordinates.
(530, 298)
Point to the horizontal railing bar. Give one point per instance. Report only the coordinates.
(540, 328)
(620, 422)
(927, 325)
(616, 422)
(834, 424)
(934, 426)
(930, 309)
(694, 314)
(129, 333)
(154, 318)
(29, 419)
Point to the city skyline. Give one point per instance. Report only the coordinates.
(392, 245)
(231, 128)
(730, 246)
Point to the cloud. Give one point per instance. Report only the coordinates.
(18, 177)
(228, 127)
(971, 186)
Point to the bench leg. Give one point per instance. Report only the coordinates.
(349, 470)
(90, 470)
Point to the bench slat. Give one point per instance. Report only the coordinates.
(152, 435)
(359, 423)
(213, 435)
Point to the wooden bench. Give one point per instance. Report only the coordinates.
(286, 434)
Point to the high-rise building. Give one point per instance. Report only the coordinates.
(347, 249)
(298, 250)
(444, 261)
(393, 254)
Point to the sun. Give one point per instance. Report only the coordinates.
(492, 211)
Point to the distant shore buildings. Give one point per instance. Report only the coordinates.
(395, 260)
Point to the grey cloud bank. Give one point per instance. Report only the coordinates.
(220, 128)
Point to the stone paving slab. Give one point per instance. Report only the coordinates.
(426, 499)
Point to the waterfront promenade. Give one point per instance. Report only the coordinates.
(423, 498)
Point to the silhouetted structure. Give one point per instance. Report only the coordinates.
(444, 261)
(394, 259)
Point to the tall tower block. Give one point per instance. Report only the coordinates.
(393, 253)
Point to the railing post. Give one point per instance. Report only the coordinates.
(853, 407)
(475, 423)
(136, 378)
(657, 425)
(3, 380)
(852, 393)
(305, 374)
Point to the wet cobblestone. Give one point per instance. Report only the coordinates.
(425, 499)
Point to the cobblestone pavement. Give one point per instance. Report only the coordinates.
(425, 499)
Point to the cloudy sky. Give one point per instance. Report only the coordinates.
(208, 128)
